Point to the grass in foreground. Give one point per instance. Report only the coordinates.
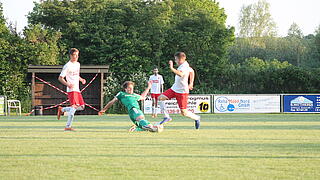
(228, 146)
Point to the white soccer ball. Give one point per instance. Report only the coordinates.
(160, 128)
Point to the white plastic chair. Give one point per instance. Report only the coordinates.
(14, 104)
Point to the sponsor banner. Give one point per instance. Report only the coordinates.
(301, 103)
(247, 104)
(2, 105)
(196, 104)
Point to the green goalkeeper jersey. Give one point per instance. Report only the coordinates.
(129, 100)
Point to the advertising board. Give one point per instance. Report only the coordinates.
(2, 105)
(301, 103)
(196, 104)
(246, 103)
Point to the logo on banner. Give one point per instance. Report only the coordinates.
(222, 104)
(301, 101)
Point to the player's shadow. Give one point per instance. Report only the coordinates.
(260, 127)
(59, 127)
(152, 156)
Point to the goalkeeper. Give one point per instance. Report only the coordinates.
(130, 101)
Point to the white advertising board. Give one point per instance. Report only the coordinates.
(247, 104)
(196, 104)
(2, 105)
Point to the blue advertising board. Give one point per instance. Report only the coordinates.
(301, 103)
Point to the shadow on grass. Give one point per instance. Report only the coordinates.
(159, 156)
(59, 127)
(64, 138)
(216, 118)
(260, 127)
(257, 127)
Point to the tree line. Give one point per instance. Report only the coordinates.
(134, 36)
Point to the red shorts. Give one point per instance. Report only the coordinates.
(182, 98)
(75, 98)
(155, 96)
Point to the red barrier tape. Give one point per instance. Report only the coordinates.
(56, 88)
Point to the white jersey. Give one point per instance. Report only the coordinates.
(181, 83)
(157, 82)
(71, 71)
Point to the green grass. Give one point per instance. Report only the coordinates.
(228, 146)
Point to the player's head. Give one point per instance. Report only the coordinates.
(74, 54)
(128, 87)
(180, 57)
(155, 71)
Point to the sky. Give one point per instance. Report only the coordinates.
(305, 13)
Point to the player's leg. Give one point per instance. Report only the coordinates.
(77, 104)
(80, 108)
(193, 116)
(71, 112)
(182, 100)
(153, 105)
(156, 105)
(168, 94)
(135, 128)
(62, 110)
(162, 98)
(137, 117)
(147, 126)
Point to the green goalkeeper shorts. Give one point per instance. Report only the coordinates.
(134, 113)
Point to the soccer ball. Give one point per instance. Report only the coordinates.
(159, 128)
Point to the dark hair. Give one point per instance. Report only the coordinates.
(126, 84)
(73, 50)
(180, 54)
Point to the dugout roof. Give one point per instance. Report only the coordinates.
(58, 68)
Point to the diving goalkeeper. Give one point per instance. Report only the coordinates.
(130, 101)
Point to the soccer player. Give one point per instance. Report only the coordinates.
(130, 101)
(180, 88)
(156, 90)
(70, 77)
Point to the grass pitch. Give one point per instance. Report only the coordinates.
(228, 146)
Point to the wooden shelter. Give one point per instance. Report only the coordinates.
(46, 96)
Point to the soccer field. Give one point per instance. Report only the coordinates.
(228, 146)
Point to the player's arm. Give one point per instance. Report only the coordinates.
(64, 82)
(177, 72)
(146, 91)
(191, 78)
(63, 75)
(83, 81)
(162, 86)
(109, 104)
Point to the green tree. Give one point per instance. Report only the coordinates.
(255, 23)
(12, 76)
(297, 46)
(133, 36)
(317, 44)
(198, 28)
(256, 20)
(41, 45)
(295, 31)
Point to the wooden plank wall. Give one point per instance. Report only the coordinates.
(46, 96)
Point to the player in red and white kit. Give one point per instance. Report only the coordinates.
(70, 77)
(184, 77)
(156, 89)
